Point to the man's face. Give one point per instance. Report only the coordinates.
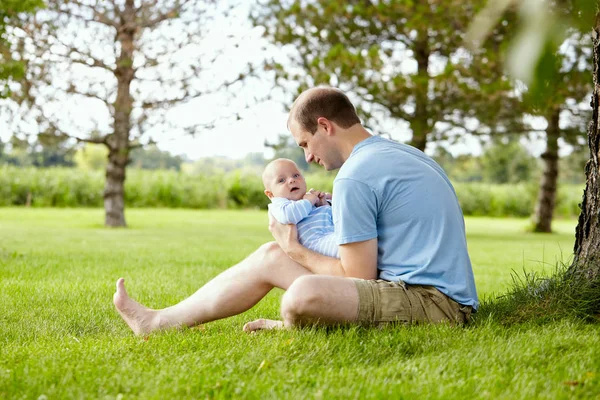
(317, 148)
(285, 180)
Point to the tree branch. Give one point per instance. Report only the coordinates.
(188, 96)
(63, 135)
(84, 57)
(133, 146)
(478, 131)
(399, 113)
(95, 64)
(103, 140)
(99, 17)
(164, 16)
(146, 5)
(578, 113)
(72, 89)
(153, 62)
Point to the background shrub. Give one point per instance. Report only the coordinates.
(246, 191)
(69, 187)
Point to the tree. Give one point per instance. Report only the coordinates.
(135, 59)
(407, 57)
(570, 86)
(9, 67)
(587, 233)
(583, 15)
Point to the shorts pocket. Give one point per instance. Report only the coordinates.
(394, 305)
(433, 294)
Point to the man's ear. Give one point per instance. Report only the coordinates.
(326, 125)
(269, 194)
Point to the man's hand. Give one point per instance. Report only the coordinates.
(286, 235)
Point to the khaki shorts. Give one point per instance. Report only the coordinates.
(384, 301)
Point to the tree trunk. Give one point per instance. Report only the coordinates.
(114, 192)
(420, 123)
(118, 143)
(587, 234)
(544, 209)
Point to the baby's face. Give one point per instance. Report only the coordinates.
(285, 180)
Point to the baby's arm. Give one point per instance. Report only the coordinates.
(289, 211)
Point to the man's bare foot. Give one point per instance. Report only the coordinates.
(263, 324)
(140, 319)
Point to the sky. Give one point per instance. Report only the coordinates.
(258, 121)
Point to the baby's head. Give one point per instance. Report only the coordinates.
(282, 178)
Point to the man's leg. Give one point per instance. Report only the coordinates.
(231, 292)
(315, 299)
(327, 300)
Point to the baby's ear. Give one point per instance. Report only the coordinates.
(269, 194)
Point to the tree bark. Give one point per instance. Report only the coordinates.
(546, 201)
(420, 123)
(587, 234)
(118, 142)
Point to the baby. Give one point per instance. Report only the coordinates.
(291, 204)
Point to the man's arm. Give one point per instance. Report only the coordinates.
(357, 260)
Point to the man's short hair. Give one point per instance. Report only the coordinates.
(325, 102)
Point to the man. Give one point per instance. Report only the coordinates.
(400, 230)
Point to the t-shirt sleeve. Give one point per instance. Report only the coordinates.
(354, 211)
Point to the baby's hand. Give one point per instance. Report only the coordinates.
(313, 196)
(323, 197)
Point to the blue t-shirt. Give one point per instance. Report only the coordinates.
(397, 194)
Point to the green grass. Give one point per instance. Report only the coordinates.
(60, 336)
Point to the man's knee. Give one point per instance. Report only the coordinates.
(268, 259)
(268, 254)
(269, 250)
(300, 301)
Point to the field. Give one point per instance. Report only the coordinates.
(61, 338)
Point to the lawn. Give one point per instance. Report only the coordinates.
(61, 338)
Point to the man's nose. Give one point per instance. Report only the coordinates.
(308, 156)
